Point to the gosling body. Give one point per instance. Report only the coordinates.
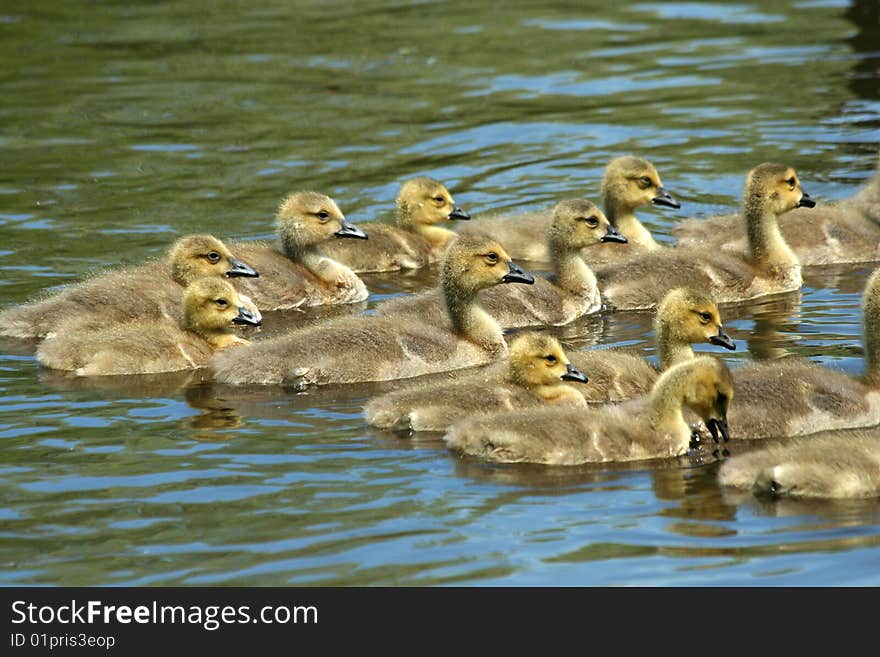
(416, 240)
(535, 373)
(294, 271)
(210, 310)
(624, 432)
(146, 292)
(770, 266)
(373, 348)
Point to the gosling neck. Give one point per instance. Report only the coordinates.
(308, 255)
(468, 318)
(767, 247)
(665, 415)
(571, 273)
(870, 330)
(671, 349)
(622, 217)
(218, 338)
(437, 236)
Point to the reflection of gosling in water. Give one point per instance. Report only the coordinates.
(834, 465)
(357, 349)
(628, 183)
(684, 317)
(795, 397)
(146, 292)
(848, 231)
(294, 271)
(535, 373)
(415, 241)
(210, 309)
(769, 267)
(570, 293)
(626, 432)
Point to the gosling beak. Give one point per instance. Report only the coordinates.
(516, 274)
(350, 230)
(665, 199)
(613, 236)
(723, 340)
(718, 426)
(245, 317)
(241, 269)
(458, 213)
(806, 201)
(574, 374)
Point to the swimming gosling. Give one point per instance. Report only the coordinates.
(827, 466)
(371, 348)
(844, 232)
(145, 292)
(569, 293)
(417, 239)
(295, 272)
(210, 310)
(769, 267)
(628, 183)
(624, 432)
(534, 373)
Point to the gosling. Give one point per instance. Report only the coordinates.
(210, 310)
(295, 273)
(146, 292)
(845, 232)
(625, 432)
(570, 293)
(628, 183)
(534, 374)
(358, 349)
(416, 241)
(770, 266)
(827, 466)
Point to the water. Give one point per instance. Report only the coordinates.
(124, 126)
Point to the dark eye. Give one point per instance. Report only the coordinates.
(221, 302)
(706, 317)
(492, 258)
(213, 256)
(440, 200)
(791, 181)
(550, 359)
(592, 221)
(322, 215)
(645, 182)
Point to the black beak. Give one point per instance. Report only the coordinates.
(458, 213)
(718, 426)
(613, 236)
(665, 199)
(516, 274)
(723, 340)
(241, 269)
(806, 201)
(245, 317)
(350, 230)
(574, 374)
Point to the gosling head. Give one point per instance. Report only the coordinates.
(474, 262)
(211, 306)
(305, 219)
(194, 256)
(426, 202)
(708, 393)
(630, 182)
(687, 316)
(537, 359)
(578, 223)
(775, 188)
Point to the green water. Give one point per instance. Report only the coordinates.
(125, 125)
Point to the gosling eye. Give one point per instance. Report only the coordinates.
(645, 182)
(592, 222)
(223, 303)
(213, 256)
(322, 215)
(706, 317)
(440, 200)
(791, 182)
(550, 359)
(492, 258)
